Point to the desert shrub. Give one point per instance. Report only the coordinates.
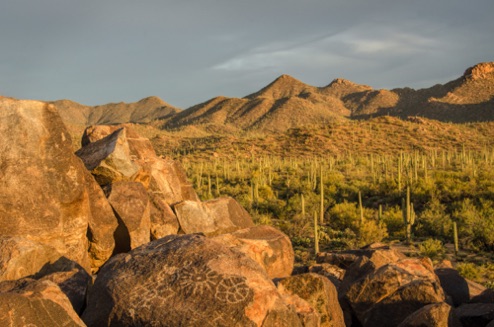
(432, 248)
(476, 223)
(469, 270)
(393, 219)
(370, 231)
(434, 221)
(344, 215)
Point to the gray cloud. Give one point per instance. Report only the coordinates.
(187, 51)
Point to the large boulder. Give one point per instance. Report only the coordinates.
(266, 245)
(453, 285)
(44, 192)
(185, 280)
(115, 153)
(35, 303)
(432, 315)
(213, 217)
(320, 293)
(20, 257)
(386, 296)
(475, 314)
(130, 202)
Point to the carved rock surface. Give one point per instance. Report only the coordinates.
(320, 293)
(386, 296)
(43, 191)
(131, 204)
(266, 245)
(185, 280)
(35, 303)
(218, 216)
(432, 315)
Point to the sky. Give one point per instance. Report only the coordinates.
(188, 51)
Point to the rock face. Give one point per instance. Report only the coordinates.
(320, 293)
(399, 288)
(35, 303)
(432, 315)
(131, 204)
(44, 194)
(185, 280)
(21, 258)
(212, 217)
(266, 245)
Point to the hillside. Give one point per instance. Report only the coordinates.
(77, 116)
(289, 103)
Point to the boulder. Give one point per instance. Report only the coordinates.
(185, 280)
(131, 204)
(475, 314)
(20, 257)
(213, 217)
(109, 158)
(307, 315)
(400, 288)
(453, 285)
(35, 303)
(319, 292)
(44, 195)
(264, 244)
(74, 284)
(332, 272)
(487, 296)
(101, 225)
(432, 315)
(130, 157)
(164, 222)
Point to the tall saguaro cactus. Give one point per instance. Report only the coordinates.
(408, 215)
(316, 234)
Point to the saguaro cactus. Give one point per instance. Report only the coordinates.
(455, 236)
(408, 215)
(316, 234)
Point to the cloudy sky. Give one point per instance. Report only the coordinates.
(188, 51)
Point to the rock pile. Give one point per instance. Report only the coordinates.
(115, 235)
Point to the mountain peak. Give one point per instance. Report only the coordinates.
(282, 87)
(480, 71)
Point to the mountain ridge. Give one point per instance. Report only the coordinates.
(287, 103)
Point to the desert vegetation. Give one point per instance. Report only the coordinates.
(407, 196)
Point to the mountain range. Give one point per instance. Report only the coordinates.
(289, 103)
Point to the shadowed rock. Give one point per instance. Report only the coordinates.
(186, 280)
(163, 220)
(266, 245)
(475, 314)
(432, 315)
(35, 303)
(131, 204)
(320, 293)
(44, 192)
(454, 285)
(386, 296)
